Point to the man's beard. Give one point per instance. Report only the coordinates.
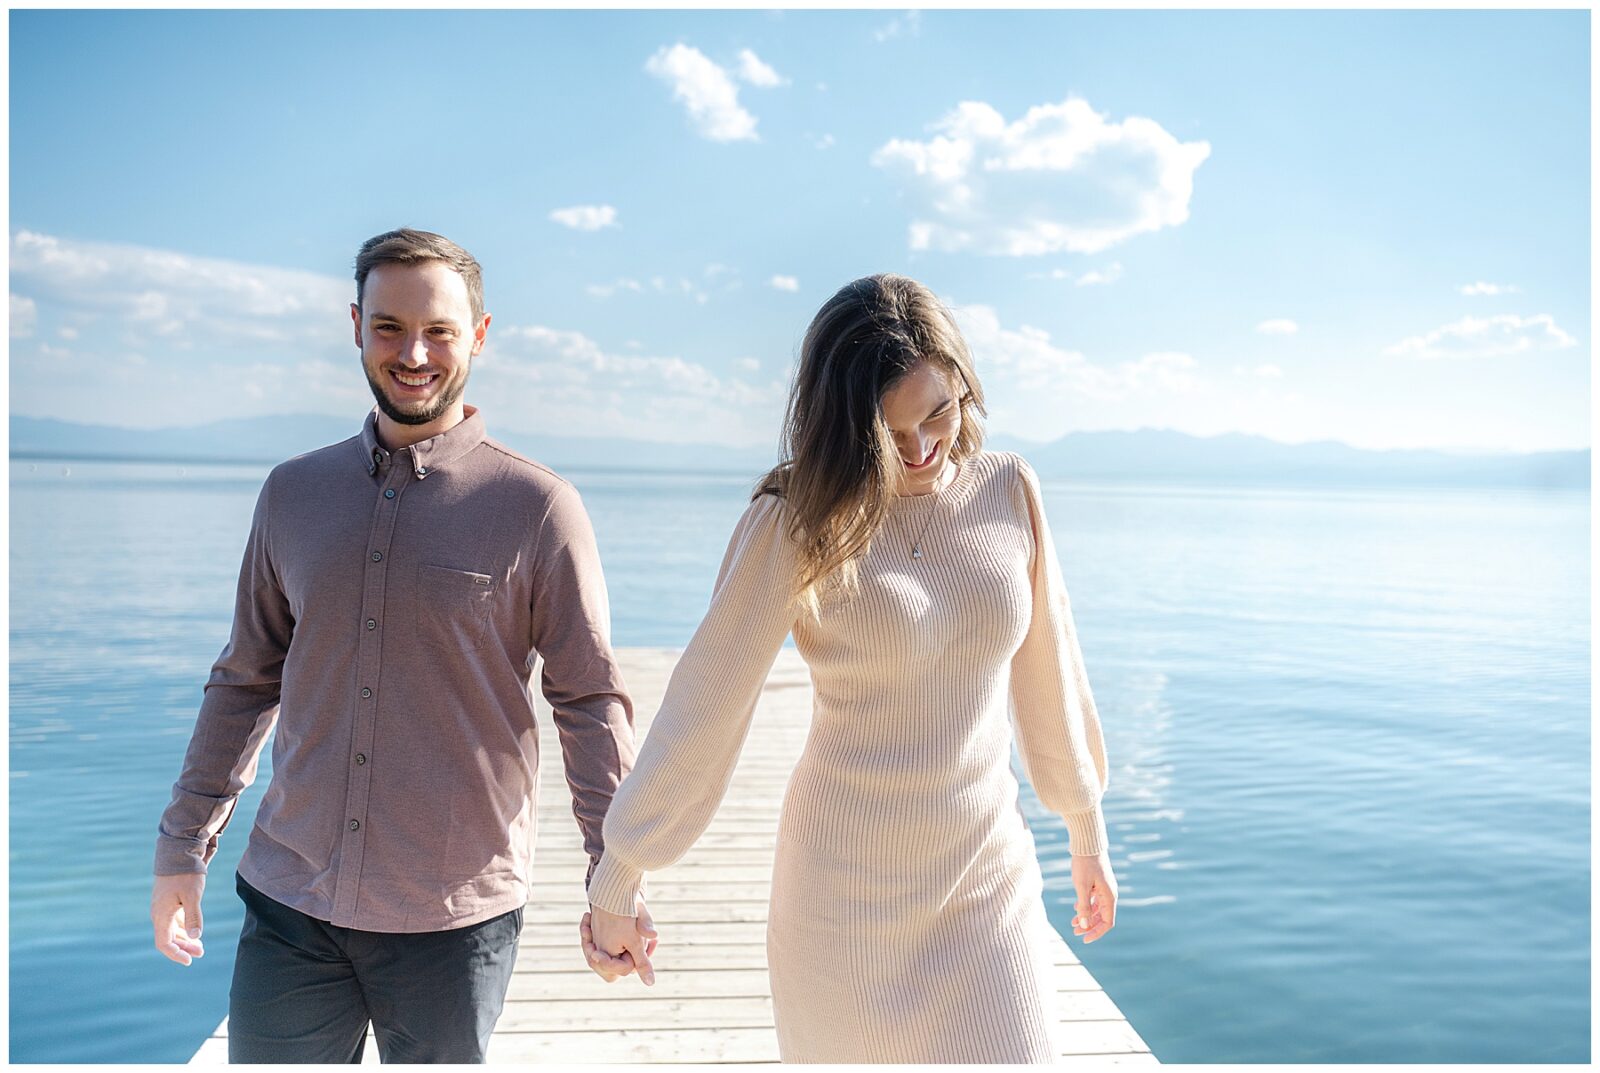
(432, 411)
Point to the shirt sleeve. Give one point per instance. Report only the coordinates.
(237, 713)
(571, 628)
(1058, 728)
(688, 757)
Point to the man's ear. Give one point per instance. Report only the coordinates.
(480, 333)
(355, 317)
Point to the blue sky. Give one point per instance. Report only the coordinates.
(1366, 226)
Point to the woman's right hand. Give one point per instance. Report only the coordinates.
(611, 939)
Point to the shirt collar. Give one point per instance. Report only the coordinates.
(431, 455)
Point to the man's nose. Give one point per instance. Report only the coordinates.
(415, 352)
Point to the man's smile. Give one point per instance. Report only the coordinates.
(413, 380)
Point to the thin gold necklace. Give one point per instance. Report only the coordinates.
(916, 545)
(933, 506)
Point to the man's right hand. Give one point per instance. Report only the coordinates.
(175, 914)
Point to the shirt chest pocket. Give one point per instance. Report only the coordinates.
(453, 607)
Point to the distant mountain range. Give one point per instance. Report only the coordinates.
(1150, 455)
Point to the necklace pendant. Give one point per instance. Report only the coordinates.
(916, 553)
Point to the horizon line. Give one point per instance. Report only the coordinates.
(1457, 451)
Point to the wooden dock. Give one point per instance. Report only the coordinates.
(711, 1002)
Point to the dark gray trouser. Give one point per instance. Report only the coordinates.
(304, 990)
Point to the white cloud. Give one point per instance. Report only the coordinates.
(313, 378)
(749, 365)
(706, 90)
(24, 316)
(1489, 288)
(1060, 178)
(68, 333)
(606, 290)
(784, 283)
(1025, 358)
(1486, 337)
(662, 285)
(658, 284)
(1281, 326)
(723, 277)
(1095, 276)
(757, 73)
(564, 381)
(909, 24)
(586, 217)
(822, 141)
(1270, 370)
(1167, 370)
(161, 295)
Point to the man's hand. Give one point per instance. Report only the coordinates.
(617, 945)
(175, 914)
(608, 968)
(1096, 887)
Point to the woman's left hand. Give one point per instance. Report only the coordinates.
(1096, 886)
(616, 945)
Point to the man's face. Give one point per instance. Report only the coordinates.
(417, 338)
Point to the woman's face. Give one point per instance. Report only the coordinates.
(923, 412)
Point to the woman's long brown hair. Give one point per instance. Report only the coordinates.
(840, 465)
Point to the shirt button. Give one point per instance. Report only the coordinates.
(422, 471)
(366, 693)
(388, 493)
(361, 758)
(355, 825)
(377, 556)
(372, 623)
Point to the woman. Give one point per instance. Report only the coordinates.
(918, 577)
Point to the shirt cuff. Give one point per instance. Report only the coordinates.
(1087, 831)
(615, 886)
(181, 857)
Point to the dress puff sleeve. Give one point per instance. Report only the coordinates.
(1058, 728)
(688, 756)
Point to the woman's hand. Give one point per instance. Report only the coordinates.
(616, 945)
(1096, 886)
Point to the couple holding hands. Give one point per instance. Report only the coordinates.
(398, 587)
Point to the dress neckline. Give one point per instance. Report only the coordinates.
(964, 471)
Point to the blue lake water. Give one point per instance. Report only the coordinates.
(1349, 734)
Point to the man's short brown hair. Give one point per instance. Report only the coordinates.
(408, 246)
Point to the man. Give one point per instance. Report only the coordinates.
(395, 591)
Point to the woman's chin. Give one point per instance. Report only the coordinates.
(923, 481)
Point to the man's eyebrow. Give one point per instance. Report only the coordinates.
(380, 315)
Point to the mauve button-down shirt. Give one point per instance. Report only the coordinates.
(390, 609)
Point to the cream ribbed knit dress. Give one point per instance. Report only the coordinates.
(906, 922)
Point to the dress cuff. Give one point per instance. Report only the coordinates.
(615, 886)
(1087, 831)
